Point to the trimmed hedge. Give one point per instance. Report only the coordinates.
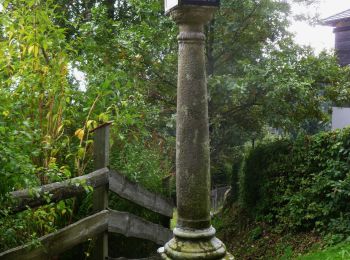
(300, 185)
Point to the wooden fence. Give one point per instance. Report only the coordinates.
(103, 220)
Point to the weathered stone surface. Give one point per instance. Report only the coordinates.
(192, 131)
(194, 238)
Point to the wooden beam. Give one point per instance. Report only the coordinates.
(58, 190)
(139, 195)
(132, 226)
(60, 241)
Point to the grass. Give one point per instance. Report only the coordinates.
(249, 239)
(338, 252)
(173, 220)
(275, 246)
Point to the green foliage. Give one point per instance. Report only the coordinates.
(236, 168)
(338, 252)
(126, 52)
(16, 167)
(290, 88)
(301, 185)
(46, 113)
(29, 225)
(261, 165)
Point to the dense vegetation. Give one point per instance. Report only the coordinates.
(298, 186)
(69, 66)
(302, 185)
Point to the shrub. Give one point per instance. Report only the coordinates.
(300, 185)
(261, 165)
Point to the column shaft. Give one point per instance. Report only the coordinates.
(192, 134)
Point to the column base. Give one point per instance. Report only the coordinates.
(194, 244)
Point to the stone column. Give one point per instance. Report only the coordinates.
(194, 237)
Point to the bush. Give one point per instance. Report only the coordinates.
(261, 165)
(300, 185)
(236, 167)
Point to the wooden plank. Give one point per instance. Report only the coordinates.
(343, 45)
(132, 226)
(58, 190)
(139, 195)
(343, 57)
(60, 241)
(100, 195)
(342, 36)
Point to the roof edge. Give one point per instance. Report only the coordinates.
(336, 18)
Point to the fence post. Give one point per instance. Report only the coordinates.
(100, 195)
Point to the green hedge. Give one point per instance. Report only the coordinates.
(300, 185)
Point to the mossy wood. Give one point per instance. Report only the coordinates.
(132, 226)
(139, 195)
(100, 178)
(100, 194)
(61, 240)
(104, 220)
(107, 220)
(58, 190)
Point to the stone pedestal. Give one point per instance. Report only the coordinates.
(194, 237)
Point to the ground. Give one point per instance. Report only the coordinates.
(247, 239)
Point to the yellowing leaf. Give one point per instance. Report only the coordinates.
(59, 129)
(10, 35)
(52, 160)
(36, 50)
(90, 124)
(30, 49)
(5, 113)
(79, 133)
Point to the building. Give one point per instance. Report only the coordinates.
(341, 24)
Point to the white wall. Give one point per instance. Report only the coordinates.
(340, 117)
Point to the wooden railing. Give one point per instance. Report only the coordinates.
(104, 220)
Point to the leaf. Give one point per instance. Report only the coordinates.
(59, 129)
(30, 49)
(79, 133)
(36, 50)
(90, 124)
(81, 153)
(103, 117)
(5, 113)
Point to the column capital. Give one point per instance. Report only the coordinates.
(193, 14)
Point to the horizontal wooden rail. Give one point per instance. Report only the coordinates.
(61, 240)
(139, 195)
(114, 221)
(58, 190)
(132, 226)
